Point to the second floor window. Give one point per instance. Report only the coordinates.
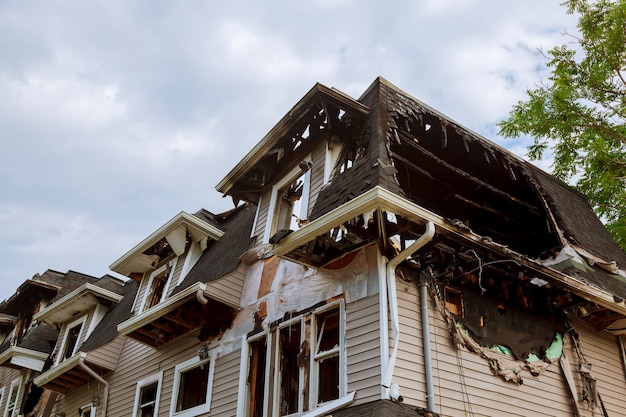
(71, 337)
(158, 285)
(14, 393)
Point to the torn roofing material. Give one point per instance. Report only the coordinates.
(479, 188)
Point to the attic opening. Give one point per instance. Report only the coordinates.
(451, 172)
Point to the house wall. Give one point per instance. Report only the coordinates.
(8, 375)
(464, 383)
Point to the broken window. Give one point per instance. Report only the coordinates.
(256, 377)
(157, 285)
(192, 387)
(308, 361)
(70, 339)
(326, 355)
(453, 300)
(147, 396)
(14, 393)
(289, 201)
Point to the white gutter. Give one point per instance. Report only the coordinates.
(393, 301)
(105, 391)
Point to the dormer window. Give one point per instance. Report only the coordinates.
(158, 285)
(72, 335)
(289, 201)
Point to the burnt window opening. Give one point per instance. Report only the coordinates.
(256, 377)
(157, 285)
(304, 371)
(288, 204)
(289, 375)
(71, 337)
(453, 300)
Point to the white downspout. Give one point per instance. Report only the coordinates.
(428, 367)
(105, 391)
(393, 302)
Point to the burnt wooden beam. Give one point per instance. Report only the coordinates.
(486, 208)
(472, 178)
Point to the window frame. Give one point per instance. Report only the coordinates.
(158, 378)
(187, 366)
(68, 326)
(313, 365)
(272, 213)
(87, 407)
(17, 384)
(169, 264)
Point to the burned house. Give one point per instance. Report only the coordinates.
(381, 259)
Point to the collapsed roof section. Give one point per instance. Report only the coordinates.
(404, 164)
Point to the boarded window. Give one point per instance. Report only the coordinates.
(256, 377)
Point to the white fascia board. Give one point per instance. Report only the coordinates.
(379, 198)
(81, 299)
(27, 358)
(196, 227)
(153, 313)
(59, 370)
(273, 136)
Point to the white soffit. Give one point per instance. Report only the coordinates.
(79, 301)
(136, 261)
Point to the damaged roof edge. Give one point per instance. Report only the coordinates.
(274, 135)
(380, 198)
(448, 119)
(181, 218)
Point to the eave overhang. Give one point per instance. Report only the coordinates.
(19, 358)
(31, 291)
(69, 374)
(381, 199)
(79, 301)
(318, 93)
(175, 232)
(180, 314)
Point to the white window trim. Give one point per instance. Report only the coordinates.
(154, 273)
(178, 370)
(293, 175)
(98, 315)
(68, 326)
(147, 381)
(1, 395)
(243, 402)
(330, 159)
(313, 369)
(192, 257)
(92, 410)
(16, 382)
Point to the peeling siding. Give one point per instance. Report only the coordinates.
(226, 385)
(363, 349)
(463, 382)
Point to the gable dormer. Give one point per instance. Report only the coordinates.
(284, 173)
(177, 294)
(76, 315)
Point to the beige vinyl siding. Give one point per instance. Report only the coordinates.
(8, 375)
(108, 354)
(230, 286)
(138, 361)
(463, 382)
(363, 349)
(178, 268)
(72, 401)
(226, 385)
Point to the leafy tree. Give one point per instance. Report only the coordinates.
(580, 114)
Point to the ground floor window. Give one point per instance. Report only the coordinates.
(300, 362)
(147, 396)
(193, 380)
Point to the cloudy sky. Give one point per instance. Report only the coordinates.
(117, 115)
